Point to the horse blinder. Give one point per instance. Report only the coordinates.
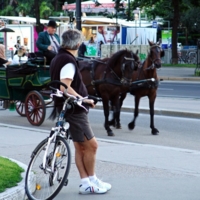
(162, 53)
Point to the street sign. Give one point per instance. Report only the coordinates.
(154, 24)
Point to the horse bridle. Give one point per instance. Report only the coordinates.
(153, 61)
(127, 60)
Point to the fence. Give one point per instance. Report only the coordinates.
(108, 50)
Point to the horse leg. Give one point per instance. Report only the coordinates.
(106, 114)
(115, 121)
(112, 121)
(154, 131)
(116, 113)
(131, 125)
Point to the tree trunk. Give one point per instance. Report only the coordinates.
(175, 25)
(39, 26)
(55, 3)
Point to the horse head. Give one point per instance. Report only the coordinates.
(155, 54)
(123, 63)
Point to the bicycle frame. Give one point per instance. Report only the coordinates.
(61, 127)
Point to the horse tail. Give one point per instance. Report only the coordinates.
(56, 108)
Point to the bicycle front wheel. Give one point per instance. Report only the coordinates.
(44, 183)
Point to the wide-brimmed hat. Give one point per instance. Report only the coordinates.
(52, 23)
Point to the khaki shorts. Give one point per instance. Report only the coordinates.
(79, 127)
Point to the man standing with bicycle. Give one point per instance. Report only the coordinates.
(64, 68)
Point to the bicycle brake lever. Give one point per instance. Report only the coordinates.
(79, 103)
(57, 94)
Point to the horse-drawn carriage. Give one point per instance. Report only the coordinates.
(110, 78)
(23, 87)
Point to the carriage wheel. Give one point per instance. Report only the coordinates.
(20, 108)
(35, 108)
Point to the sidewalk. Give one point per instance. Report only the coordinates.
(177, 73)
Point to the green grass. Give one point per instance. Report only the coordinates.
(179, 65)
(10, 174)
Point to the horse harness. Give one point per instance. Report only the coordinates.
(147, 84)
(116, 81)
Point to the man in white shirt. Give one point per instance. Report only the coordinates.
(64, 68)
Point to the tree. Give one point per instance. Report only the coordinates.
(170, 10)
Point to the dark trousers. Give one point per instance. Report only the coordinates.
(49, 56)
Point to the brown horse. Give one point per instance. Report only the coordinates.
(106, 78)
(147, 86)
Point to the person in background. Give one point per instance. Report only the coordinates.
(17, 46)
(48, 41)
(65, 68)
(3, 60)
(82, 50)
(21, 56)
(100, 43)
(91, 41)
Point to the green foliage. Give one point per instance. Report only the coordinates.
(24, 8)
(28, 8)
(10, 174)
(45, 9)
(7, 11)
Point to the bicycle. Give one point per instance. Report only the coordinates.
(189, 58)
(50, 162)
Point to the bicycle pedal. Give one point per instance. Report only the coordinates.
(66, 182)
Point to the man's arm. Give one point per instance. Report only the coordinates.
(71, 91)
(40, 43)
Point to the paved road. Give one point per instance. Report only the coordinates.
(179, 89)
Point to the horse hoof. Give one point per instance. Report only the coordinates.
(131, 126)
(110, 133)
(154, 131)
(118, 126)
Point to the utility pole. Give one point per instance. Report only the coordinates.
(78, 14)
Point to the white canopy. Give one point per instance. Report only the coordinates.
(25, 19)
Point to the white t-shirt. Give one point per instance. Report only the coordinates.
(67, 71)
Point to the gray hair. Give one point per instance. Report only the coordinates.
(71, 39)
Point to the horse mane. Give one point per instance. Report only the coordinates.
(114, 58)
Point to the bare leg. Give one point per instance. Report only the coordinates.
(85, 156)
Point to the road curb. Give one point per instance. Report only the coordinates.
(174, 113)
(171, 78)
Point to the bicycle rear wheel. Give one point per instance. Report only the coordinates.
(43, 183)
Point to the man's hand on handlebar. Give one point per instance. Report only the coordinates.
(89, 102)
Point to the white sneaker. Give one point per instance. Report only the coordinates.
(92, 189)
(102, 184)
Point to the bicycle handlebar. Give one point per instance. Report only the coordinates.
(71, 98)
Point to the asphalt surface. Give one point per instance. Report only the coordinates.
(136, 171)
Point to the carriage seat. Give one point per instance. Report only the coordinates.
(37, 58)
(14, 71)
